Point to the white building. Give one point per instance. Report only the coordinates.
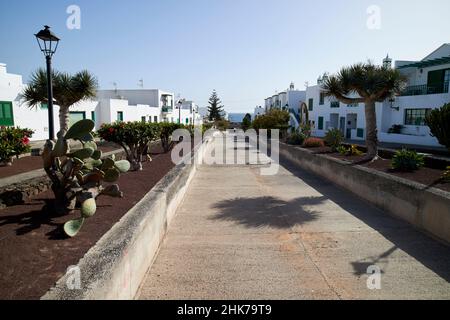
(110, 106)
(259, 111)
(428, 88)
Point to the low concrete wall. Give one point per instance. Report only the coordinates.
(115, 267)
(428, 209)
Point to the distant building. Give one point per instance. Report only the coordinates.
(150, 105)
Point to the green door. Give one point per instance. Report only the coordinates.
(76, 116)
(320, 123)
(120, 116)
(6, 114)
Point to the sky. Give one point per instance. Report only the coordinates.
(245, 49)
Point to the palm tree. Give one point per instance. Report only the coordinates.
(368, 84)
(67, 91)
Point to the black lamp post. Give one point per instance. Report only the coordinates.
(180, 104)
(48, 43)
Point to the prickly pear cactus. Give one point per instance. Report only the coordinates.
(77, 175)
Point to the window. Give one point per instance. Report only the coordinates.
(320, 123)
(322, 98)
(187, 120)
(75, 116)
(335, 104)
(6, 114)
(353, 105)
(144, 119)
(311, 104)
(416, 117)
(156, 119)
(93, 115)
(120, 116)
(360, 133)
(44, 106)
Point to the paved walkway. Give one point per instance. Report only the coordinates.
(240, 235)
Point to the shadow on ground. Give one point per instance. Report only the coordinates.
(267, 211)
(431, 253)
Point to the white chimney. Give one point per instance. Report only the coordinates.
(2, 68)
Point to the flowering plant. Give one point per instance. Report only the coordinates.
(13, 143)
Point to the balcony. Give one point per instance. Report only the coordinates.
(167, 109)
(425, 89)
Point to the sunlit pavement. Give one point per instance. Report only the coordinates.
(241, 235)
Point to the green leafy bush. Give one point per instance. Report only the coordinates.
(166, 129)
(133, 137)
(446, 175)
(439, 122)
(296, 138)
(77, 175)
(334, 139)
(13, 143)
(274, 119)
(314, 143)
(407, 160)
(349, 152)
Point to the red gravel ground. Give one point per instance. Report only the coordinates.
(26, 164)
(34, 253)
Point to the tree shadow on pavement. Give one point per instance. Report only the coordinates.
(268, 211)
(431, 253)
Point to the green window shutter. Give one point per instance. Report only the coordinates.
(322, 98)
(187, 120)
(311, 104)
(335, 104)
(93, 116)
(6, 114)
(120, 116)
(44, 106)
(320, 123)
(360, 133)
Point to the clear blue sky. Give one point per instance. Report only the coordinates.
(245, 49)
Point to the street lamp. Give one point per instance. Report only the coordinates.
(179, 104)
(48, 43)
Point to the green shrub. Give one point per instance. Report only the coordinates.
(296, 138)
(334, 139)
(407, 160)
(274, 119)
(446, 175)
(133, 137)
(13, 143)
(313, 143)
(439, 122)
(166, 130)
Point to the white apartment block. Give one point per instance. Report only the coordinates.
(110, 106)
(428, 88)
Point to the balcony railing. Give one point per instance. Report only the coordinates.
(426, 89)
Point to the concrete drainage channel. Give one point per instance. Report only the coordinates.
(428, 209)
(114, 268)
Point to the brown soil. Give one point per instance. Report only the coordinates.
(34, 251)
(30, 163)
(427, 176)
(320, 150)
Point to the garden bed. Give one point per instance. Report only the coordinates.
(31, 163)
(34, 251)
(427, 176)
